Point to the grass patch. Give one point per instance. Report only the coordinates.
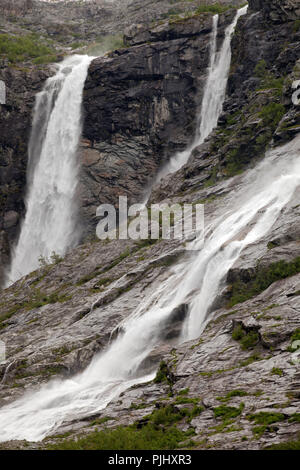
(296, 26)
(185, 391)
(295, 337)
(250, 360)
(184, 400)
(103, 44)
(37, 300)
(295, 418)
(98, 272)
(163, 374)
(100, 421)
(267, 79)
(216, 8)
(271, 114)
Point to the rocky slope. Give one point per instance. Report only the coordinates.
(236, 387)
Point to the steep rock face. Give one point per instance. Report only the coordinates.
(140, 106)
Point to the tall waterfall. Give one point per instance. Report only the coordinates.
(252, 211)
(214, 92)
(50, 221)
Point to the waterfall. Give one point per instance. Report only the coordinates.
(252, 211)
(214, 93)
(50, 223)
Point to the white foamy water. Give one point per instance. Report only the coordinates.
(252, 211)
(51, 212)
(213, 96)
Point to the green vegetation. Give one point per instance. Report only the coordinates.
(99, 421)
(163, 373)
(37, 299)
(264, 417)
(247, 132)
(140, 406)
(26, 48)
(271, 114)
(277, 371)
(236, 158)
(296, 26)
(47, 371)
(263, 420)
(212, 179)
(289, 445)
(267, 79)
(272, 245)
(248, 340)
(228, 412)
(155, 432)
(250, 360)
(215, 8)
(295, 418)
(295, 337)
(232, 394)
(104, 44)
(99, 270)
(185, 400)
(53, 260)
(264, 277)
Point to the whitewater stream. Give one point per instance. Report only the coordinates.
(213, 96)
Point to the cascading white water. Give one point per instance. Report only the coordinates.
(252, 211)
(50, 221)
(214, 93)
